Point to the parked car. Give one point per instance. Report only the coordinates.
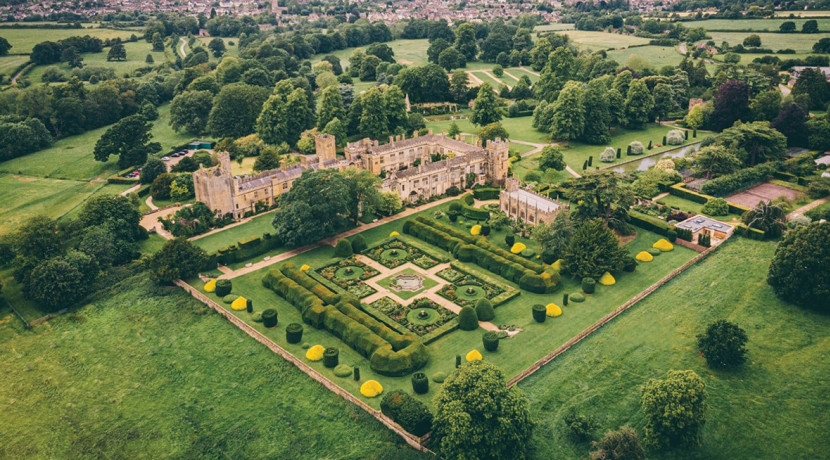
(165, 158)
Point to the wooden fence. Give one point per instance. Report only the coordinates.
(412, 440)
(605, 320)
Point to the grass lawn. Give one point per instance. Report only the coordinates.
(405, 295)
(136, 54)
(595, 41)
(9, 63)
(553, 27)
(755, 25)
(531, 163)
(801, 43)
(519, 128)
(578, 152)
(688, 206)
(520, 73)
(152, 244)
(409, 52)
(773, 407)
(514, 355)
(147, 371)
(496, 84)
(650, 56)
(23, 40)
(255, 227)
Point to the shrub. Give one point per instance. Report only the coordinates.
(539, 313)
(608, 155)
(636, 148)
(580, 426)
(473, 355)
(467, 319)
(565, 299)
(249, 305)
(484, 310)
(439, 377)
(630, 264)
(672, 236)
(577, 297)
(715, 207)
(331, 357)
(229, 298)
(257, 317)
(491, 340)
(315, 353)
(223, 287)
(342, 370)
(239, 304)
(294, 333)
(675, 137)
(663, 245)
(819, 188)
(411, 414)
(588, 285)
(269, 317)
(210, 286)
(723, 345)
(645, 256)
(343, 248)
(509, 239)
(359, 243)
(619, 445)
(485, 230)
(517, 248)
(553, 310)
(607, 279)
(420, 383)
(371, 388)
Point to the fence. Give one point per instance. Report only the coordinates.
(605, 319)
(412, 440)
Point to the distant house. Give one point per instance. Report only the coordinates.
(796, 71)
(702, 225)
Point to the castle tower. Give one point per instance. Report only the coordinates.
(498, 152)
(325, 146)
(214, 186)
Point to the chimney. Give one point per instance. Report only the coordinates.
(414, 134)
(391, 139)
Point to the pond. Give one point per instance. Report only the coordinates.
(652, 160)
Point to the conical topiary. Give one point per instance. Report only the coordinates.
(484, 310)
(467, 319)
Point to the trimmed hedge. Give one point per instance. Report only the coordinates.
(539, 313)
(247, 248)
(294, 333)
(588, 285)
(486, 193)
(751, 233)
(680, 191)
(467, 319)
(738, 180)
(484, 310)
(343, 248)
(223, 287)
(331, 357)
(269, 317)
(412, 415)
(471, 212)
(490, 340)
(420, 383)
(649, 223)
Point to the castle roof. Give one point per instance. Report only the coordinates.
(427, 168)
(439, 139)
(534, 200)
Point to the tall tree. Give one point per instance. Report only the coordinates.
(285, 115)
(129, 138)
(555, 237)
(800, 269)
(459, 86)
(373, 122)
(731, 104)
(638, 105)
(754, 142)
(364, 192)
(487, 108)
(601, 194)
(217, 47)
(236, 109)
(435, 48)
(117, 52)
(594, 250)
(675, 409)
(791, 122)
(465, 41)
(716, 160)
(663, 101)
(770, 218)
(316, 206)
(568, 120)
(765, 106)
(177, 259)
(723, 345)
(814, 84)
(331, 106)
(597, 113)
(190, 111)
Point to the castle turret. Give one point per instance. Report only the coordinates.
(498, 153)
(214, 186)
(326, 147)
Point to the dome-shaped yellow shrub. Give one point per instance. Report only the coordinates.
(553, 310)
(475, 230)
(474, 355)
(643, 256)
(240, 303)
(210, 286)
(518, 247)
(557, 265)
(391, 234)
(607, 279)
(304, 268)
(371, 388)
(315, 353)
(663, 245)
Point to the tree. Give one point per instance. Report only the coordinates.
(594, 250)
(451, 58)
(177, 259)
(389, 203)
(619, 445)
(373, 122)
(454, 130)
(117, 52)
(716, 160)
(116, 213)
(765, 106)
(5, 46)
(597, 113)
(236, 109)
(394, 105)
(731, 104)
(364, 192)
(190, 111)
(638, 105)
(809, 27)
(551, 158)
(270, 157)
(435, 48)
(800, 269)
(36, 239)
(477, 416)
(813, 83)
(315, 207)
(723, 345)
(149, 59)
(663, 101)
(791, 122)
(217, 47)
(493, 131)
(818, 134)
(55, 283)
(675, 409)
(770, 218)
(331, 107)
(46, 53)
(600, 194)
(752, 41)
(158, 42)
(787, 27)
(465, 41)
(459, 86)
(568, 120)
(129, 138)
(822, 46)
(754, 142)
(486, 108)
(555, 237)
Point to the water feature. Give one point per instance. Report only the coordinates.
(408, 282)
(651, 160)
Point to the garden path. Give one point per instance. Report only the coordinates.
(529, 71)
(511, 75)
(149, 203)
(807, 207)
(785, 90)
(473, 79)
(182, 43)
(487, 72)
(130, 190)
(150, 221)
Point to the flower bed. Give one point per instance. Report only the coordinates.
(350, 274)
(395, 253)
(466, 289)
(422, 316)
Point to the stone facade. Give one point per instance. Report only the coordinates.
(530, 207)
(226, 194)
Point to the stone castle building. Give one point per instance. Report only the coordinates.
(529, 206)
(407, 164)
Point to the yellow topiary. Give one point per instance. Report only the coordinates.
(663, 245)
(607, 279)
(557, 265)
(474, 356)
(391, 234)
(315, 353)
(304, 268)
(371, 388)
(240, 303)
(517, 248)
(553, 310)
(475, 230)
(210, 286)
(643, 256)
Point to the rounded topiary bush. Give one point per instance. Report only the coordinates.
(269, 317)
(467, 319)
(577, 297)
(223, 287)
(359, 243)
(343, 248)
(654, 251)
(420, 383)
(484, 310)
(439, 377)
(485, 230)
(588, 285)
(636, 148)
(256, 317)
(539, 313)
(608, 155)
(675, 137)
(294, 333)
(528, 253)
(342, 370)
(331, 357)
(229, 298)
(491, 340)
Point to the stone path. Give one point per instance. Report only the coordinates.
(149, 203)
(785, 90)
(130, 190)
(151, 222)
(473, 78)
(807, 207)
(662, 195)
(511, 75)
(529, 71)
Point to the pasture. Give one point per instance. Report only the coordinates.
(755, 25)
(595, 41)
(23, 40)
(801, 43)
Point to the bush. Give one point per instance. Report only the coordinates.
(675, 137)
(485, 230)
(411, 414)
(671, 235)
(491, 340)
(343, 248)
(294, 333)
(619, 445)
(577, 297)
(715, 207)
(588, 285)
(608, 155)
(636, 148)
(484, 310)
(510, 239)
(723, 345)
(269, 317)
(540, 312)
(740, 179)
(439, 377)
(580, 426)
(331, 357)
(630, 265)
(800, 268)
(223, 287)
(420, 383)
(819, 188)
(467, 319)
(359, 243)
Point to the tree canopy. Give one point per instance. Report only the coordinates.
(129, 138)
(800, 269)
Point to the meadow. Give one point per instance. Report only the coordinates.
(93, 384)
(755, 25)
(641, 57)
(8, 64)
(409, 52)
(595, 41)
(136, 54)
(23, 40)
(801, 43)
(775, 406)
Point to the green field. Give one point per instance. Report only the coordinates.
(144, 371)
(409, 52)
(23, 40)
(595, 41)
(531, 163)
(577, 152)
(557, 26)
(641, 57)
(689, 206)
(136, 54)
(801, 43)
(519, 128)
(8, 64)
(222, 239)
(776, 406)
(756, 25)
